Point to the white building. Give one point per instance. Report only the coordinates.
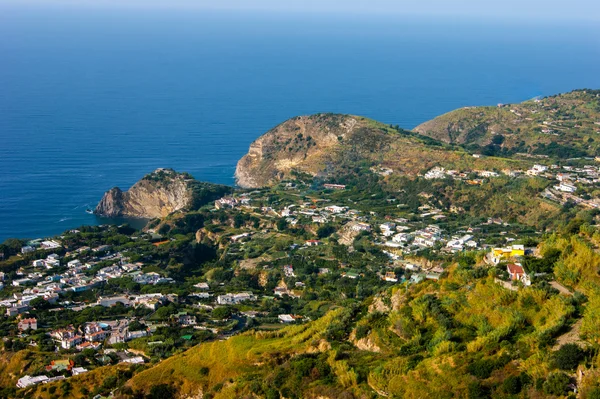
(565, 187)
(335, 209)
(536, 170)
(401, 238)
(234, 299)
(112, 301)
(361, 227)
(286, 318)
(78, 370)
(435, 173)
(134, 360)
(387, 229)
(28, 381)
(50, 244)
(202, 286)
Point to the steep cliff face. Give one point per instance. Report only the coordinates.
(158, 194)
(308, 144)
(111, 204)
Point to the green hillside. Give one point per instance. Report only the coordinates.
(560, 126)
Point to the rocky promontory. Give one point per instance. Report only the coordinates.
(332, 145)
(308, 144)
(157, 195)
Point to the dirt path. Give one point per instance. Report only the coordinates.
(571, 337)
(561, 288)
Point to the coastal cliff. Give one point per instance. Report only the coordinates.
(331, 145)
(303, 143)
(159, 194)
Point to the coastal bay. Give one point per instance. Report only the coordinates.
(193, 92)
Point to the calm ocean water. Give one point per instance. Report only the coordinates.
(93, 99)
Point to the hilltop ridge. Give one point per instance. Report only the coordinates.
(326, 145)
(560, 126)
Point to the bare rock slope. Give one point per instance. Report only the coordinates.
(159, 194)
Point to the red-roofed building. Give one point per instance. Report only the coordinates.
(60, 365)
(515, 271)
(28, 324)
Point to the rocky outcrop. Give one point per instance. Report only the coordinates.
(158, 194)
(309, 144)
(111, 204)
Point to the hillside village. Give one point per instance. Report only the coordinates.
(59, 275)
(410, 268)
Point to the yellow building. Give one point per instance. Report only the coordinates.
(507, 253)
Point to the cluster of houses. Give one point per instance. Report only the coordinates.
(567, 179)
(28, 381)
(235, 299)
(308, 211)
(438, 172)
(66, 366)
(231, 202)
(41, 279)
(427, 237)
(94, 334)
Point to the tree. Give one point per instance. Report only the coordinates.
(325, 231)
(556, 384)
(477, 391)
(221, 313)
(39, 303)
(512, 385)
(568, 356)
(282, 224)
(594, 393)
(10, 247)
(162, 391)
(136, 326)
(498, 139)
(164, 229)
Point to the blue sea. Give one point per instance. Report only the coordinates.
(94, 98)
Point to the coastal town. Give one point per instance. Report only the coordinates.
(103, 293)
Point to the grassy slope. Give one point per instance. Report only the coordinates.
(570, 116)
(232, 358)
(428, 337)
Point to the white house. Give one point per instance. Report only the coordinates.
(234, 299)
(566, 187)
(286, 318)
(78, 370)
(435, 173)
(335, 209)
(134, 360)
(536, 170)
(28, 381)
(112, 301)
(361, 227)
